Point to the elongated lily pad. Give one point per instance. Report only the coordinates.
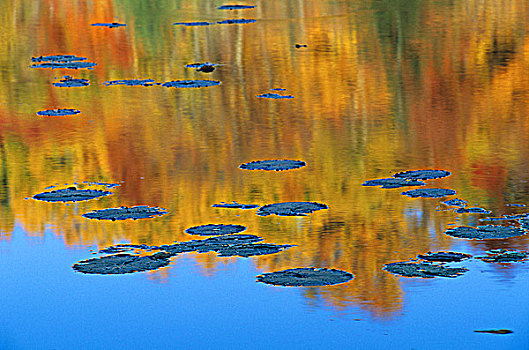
(211, 244)
(424, 270)
(109, 25)
(444, 256)
(58, 112)
(455, 202)
(123, 213)
(278, 89)
(131, 82)
(473, 210)
(275, 96)
(70, 194)
(62, 61)
(192, 24)
(393, 183)
(237, 21)
(191, 83)
(429, 192)
(247, 250)
(305, 277)
(235, 205)
(275, 165)
(485, 232)
(494, 331)
(291, 208)
(515, 205)
(505, 256)
(507, 217)
(215, 229)
(58, 58)
(68, 81)
(235, 7)
(123, 263)
(422, 174)
(120, 248)
(205, 67)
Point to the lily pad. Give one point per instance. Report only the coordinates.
(235, 7)
(305, 277)
(429, 192)
(247, 250)
(120, 248)
(393, 183)
(68, 81)
(422, 174)
(278, 89)
(123, 213)
(444, 256)
(424, 270)
(191, 83)
(215, 229)
(131, 82)
(108, 25)
(70, 194)
(210, 244)
(507, 217)
(58, 58)
(192, 24)
(485, 232)
(275, 165)
(123, 263)
(205, 67)
(235, 205)
(473, 210)
(62, 61)
(494, 331)
(515, 205)
(275, 96)
(291, 208)
(455, 202)
(237, 21)
(58, 112)
(505, 256)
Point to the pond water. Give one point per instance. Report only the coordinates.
(381, 87)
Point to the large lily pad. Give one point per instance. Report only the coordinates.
(485, 232)
(444, 256)
(424, 270)
(393, 183)
(123, 263)
(235, 205)
(191, 83)
(70, 194)
(215, 229)
(422, 174)
(429, 192)
(61, 112)
(473, 210)
(505, 256)
(62, 61)
(68, 81)
(291, 208)
(211, 244)
(305, 277)
(131, 82)
(123, 213)
(237, 21)
(273, 165)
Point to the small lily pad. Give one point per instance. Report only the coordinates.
(58, 112)
(275, 165)
(235, 205)
(422, 174)
(515, 205)
(192, 24)
(108, 25)
(505, 256)
(131, 82)
(393, 183)
(485, 232)
(429, 192)
(215, 229)
(58, 58)
(278, 89)
(68, 81)
(424, 270)
(473, 210)
(71, 194)
(191, 83)
(205, 67)
(455, 202)
(123, 213)
(275, 96)
(494, 331)
(305, 277)
(291, 208)
(235, 7)
(123, 263)
(120, 248)
(237, 21)
(444, 256)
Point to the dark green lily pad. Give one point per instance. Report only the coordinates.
(494, 331)
(275, 165)
(505, 256)
(120, 248)
(247, 250)
(68, 81)
(424, 270)
(237, 21)
(235, 205)
(191, 83)
(205, 67)
(485, 232)
(123, 263)
(210, 244)
(455, 202)
(131, 82)
(507, 217)
(422, 174)
(58, 112)
(444, 256)
(429, 192)
(70, 194)
(275, 96)
(393, 183)
(58, 58)
(305, 277)
(108, 25)
(278, 89)
(473, 210)
(192, 24)
(123, 213)
(291, 208)
(235, 7)
(215, 229)
(62, 61)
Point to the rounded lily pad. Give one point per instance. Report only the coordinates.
(235, 205)
(123, 263)
(455, 202)
(444, 256)
(215, 229)
(291, 208)
(235, 7)
(131, 82)
(429, 192)
(422, 174)
(211, 244)
(275, 96)
(485, 232)
(473, 210)
(275, 164)
(424, 270)
(237, 21)
(393, 183)
(108, 25)
(192, 24)
(68, 81)
(191, 83)
(71, 194)
(305, 277)
(58, 112)
(123, 213)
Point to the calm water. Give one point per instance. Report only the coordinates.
(383, 86)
